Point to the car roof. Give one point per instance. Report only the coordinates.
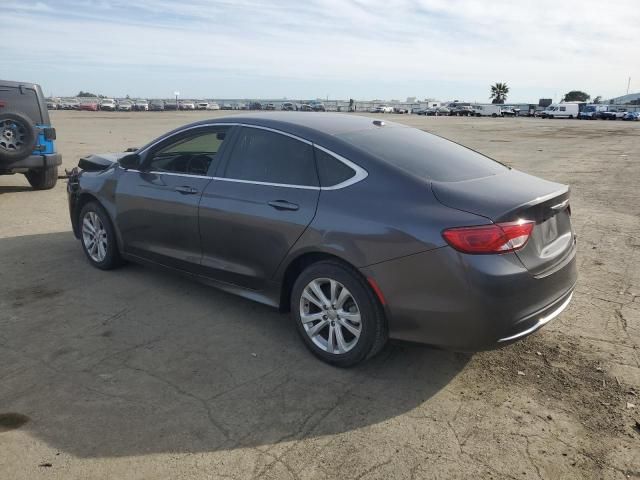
(304, 124)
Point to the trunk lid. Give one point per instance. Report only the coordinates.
(514, 195)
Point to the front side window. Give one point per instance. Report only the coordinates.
(192, 155)
(563, 109)
(264, 156)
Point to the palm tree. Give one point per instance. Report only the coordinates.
(499, 92)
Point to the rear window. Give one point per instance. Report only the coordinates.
(25, 102)
(423, 154)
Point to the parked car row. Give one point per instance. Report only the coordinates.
(127, 105)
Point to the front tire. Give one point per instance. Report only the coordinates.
(98, 237)
(337, 314)
(43, 179)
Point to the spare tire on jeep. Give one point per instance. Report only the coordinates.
(17, 136)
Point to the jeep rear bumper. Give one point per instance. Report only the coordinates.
(32, 162)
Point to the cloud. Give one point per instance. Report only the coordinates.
(540, 46)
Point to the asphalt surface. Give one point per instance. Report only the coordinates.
(140, 374)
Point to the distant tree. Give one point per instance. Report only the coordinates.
(86, 94)
(597, 100)
(576, 96)
(499, 92)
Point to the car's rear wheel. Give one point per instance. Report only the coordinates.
(337, 314)
(43, 179)
(98, 237)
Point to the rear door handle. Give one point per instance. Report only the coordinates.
(186, 190)
(283, 205)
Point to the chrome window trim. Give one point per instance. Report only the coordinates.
(360, 173)
(173, 174)
(268, 184)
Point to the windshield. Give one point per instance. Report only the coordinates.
(423, 154)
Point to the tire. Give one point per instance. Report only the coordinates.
(43, 179)
(359, 302)
(107, 256)
(494, 115)
(17, 136)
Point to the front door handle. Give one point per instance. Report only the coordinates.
(283, 205)
(186, 190)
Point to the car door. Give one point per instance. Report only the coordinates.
(257, 208)
(157, 205)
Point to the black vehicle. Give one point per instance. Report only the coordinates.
(318, 107)
(255, 106)
(171, 105)
(156, 105)
(26, 136)
(294, 210)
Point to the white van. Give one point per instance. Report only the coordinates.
(561, 110)
(490, 110)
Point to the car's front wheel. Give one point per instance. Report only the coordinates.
(98, 237)
(337, 314)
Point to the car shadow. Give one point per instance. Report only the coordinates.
(15, 188)
(137, 361)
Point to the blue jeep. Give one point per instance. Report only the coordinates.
(26, 135)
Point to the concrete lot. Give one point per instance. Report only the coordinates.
(137, 373)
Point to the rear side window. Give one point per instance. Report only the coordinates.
(264, 156)
(424, 155)
(331, 170)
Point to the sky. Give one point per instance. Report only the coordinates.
(307, 49)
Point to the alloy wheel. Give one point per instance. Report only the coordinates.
(94, 237)
(330, 316)
(12, 135)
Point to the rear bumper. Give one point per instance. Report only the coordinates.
(469, 302)
(33, 162)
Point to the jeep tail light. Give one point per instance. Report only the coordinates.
(493, 238)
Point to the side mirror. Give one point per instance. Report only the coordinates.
(131, 161)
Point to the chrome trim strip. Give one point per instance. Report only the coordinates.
(541, 322)
(360, 174)
(179, 174)
(253, 182)
(561, 205)
(260, 127)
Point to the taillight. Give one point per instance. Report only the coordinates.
(493, 238)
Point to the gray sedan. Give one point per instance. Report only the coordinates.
(363, 229)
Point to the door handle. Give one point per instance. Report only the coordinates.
(283, 205)
(186, 190)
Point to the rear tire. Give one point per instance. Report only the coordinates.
(43, 179)
(344, 323)
(98, 238)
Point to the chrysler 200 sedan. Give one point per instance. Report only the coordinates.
(363, 229)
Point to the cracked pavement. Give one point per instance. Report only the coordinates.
(138, 373)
